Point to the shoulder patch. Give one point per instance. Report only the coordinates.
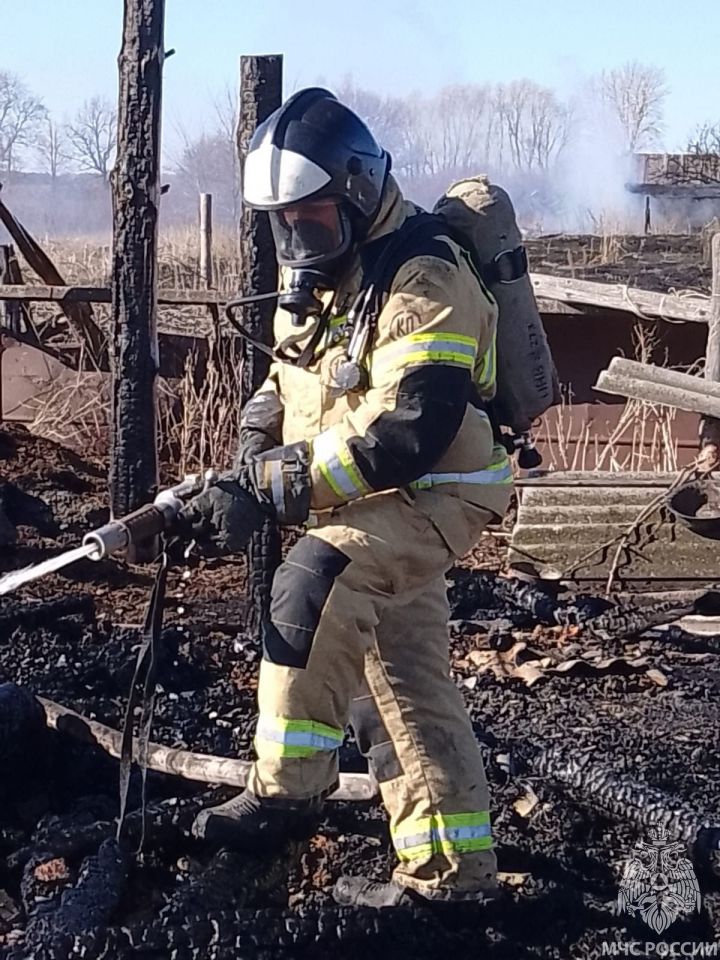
(403, 323)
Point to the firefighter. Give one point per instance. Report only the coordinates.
(385, 454)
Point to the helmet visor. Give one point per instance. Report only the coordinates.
(311, 232)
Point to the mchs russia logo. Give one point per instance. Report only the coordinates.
(659, 883)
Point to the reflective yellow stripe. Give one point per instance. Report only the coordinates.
(283, 737)
(454, 833)
(486, 372)
(333, 459)
(418, 348)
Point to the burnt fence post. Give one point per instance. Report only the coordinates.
(136, 200)
(260, 94)
(709, 427)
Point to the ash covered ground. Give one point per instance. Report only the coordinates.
(644, 709)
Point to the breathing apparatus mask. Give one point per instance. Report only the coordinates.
(312, 240)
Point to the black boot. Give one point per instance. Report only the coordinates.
(361, 892)
(259, 825)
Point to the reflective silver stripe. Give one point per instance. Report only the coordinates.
(499, 475)
(342, 476)
(463, 833)
(296, 738)
(427, 348)
(414, 840)
(439, 834)
(277, 488)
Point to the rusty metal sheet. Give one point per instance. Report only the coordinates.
(561, 522)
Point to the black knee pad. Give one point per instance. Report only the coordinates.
(300, 590)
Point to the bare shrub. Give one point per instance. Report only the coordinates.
(199, 415)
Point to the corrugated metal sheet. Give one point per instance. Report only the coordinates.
(567, 520)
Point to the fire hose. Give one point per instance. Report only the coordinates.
(121, 533)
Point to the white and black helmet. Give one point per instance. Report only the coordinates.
(317, 170)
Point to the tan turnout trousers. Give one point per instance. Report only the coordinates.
(362, 598)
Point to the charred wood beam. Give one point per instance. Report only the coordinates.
(689, 191)
(260, 95)
(136, 201)
(183, 763)
(709, 426)
(595, 616)
(618, 296)
(79, 294)
(254, 933)
(10, 311)
(32, 616)
(80, 316)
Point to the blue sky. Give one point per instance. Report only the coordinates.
(66, 50)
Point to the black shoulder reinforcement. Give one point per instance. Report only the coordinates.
(418, 236)
(403, 444)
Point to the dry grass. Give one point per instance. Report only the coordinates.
(73, 410)
(642, 439)
(198, 416)
(87, 261)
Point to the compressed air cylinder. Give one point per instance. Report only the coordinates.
(526, 378)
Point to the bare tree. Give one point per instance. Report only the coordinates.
(92, 136)
(52, 148)
(456, 121)
(705, 139)
(389, 118)
(21, 113)
(534, 126)
(207, 164)
(635, 94)
(227, 112)
(431, 140)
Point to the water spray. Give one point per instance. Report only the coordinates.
(118, 535)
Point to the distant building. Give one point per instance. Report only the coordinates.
(684, 189)
(687, 176)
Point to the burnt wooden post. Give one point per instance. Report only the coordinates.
(260, 94)
(206, 264)
(709, 427)
(10, 310)
(136, 198)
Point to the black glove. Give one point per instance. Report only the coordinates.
(260, 427)
(223, 517)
